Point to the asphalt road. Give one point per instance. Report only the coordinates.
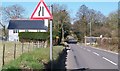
(88, 57)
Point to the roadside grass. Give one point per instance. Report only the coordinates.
(34, 59)
(109, 47)
(9, 50)
(1, 54)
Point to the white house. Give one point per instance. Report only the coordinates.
(16, 26)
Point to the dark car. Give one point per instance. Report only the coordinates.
(72, 41)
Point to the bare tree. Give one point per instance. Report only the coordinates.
(112, 23)
(61, 20)
(8, 13)
(82, 15)
(60, 14)
(4, 34)
(86, 16)
(13, 12)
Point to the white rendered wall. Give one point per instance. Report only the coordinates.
(46, 22)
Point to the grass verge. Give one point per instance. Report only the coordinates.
(33, 60)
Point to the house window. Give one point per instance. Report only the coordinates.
(15, 31)
(38, 30)
(26, 31)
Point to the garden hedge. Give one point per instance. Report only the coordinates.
(36, 35)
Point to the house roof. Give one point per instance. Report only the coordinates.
(27, 24)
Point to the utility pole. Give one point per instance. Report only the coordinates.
(91, 26)
(91, 22)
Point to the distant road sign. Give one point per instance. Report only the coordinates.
(41, 12)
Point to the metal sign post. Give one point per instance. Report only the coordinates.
(50, 40)
(51, 9)
(42, 12)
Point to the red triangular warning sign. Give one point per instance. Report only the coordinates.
(41, 12)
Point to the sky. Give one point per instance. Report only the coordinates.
(61, 0)
(104, 7)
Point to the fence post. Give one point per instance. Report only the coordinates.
(28, 46)
(38, 44)
(33, 45)
(42, 44)
(22, 47)
(3, 55)
(14, 50)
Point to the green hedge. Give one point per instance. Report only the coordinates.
(36, 35)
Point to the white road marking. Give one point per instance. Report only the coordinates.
(109, 61)
(96, 53)
(88, 50)
(84, 48)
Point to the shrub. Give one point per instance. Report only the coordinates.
(36, 35)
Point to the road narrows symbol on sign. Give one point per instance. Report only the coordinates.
(41, 12)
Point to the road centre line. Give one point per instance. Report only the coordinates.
(84, 48)
(88, 50)
(109, 60)
(104, 50)
(96, 53)
(102, 57)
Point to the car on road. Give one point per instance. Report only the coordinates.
(72, 41)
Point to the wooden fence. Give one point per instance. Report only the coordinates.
(11, 50)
